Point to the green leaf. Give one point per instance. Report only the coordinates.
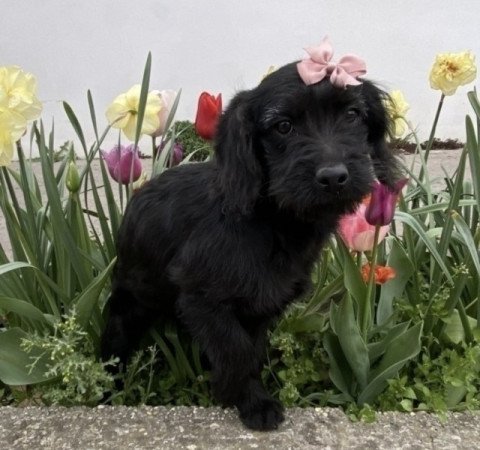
(339, 371)
(76, 125)
(429, 243)
(15, 361)
(172, 363)
(454, 330)
(13, 266)
(467, 239)
(306, 324)
(143, 98)
(352, 277)
(402, 349)
(322, 296)
(182, 361)
(92, 113)
(22, 308)
(351, 341)
(399, 260)
(88, 299)
(377, 349)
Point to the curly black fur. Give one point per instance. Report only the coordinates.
(224, 246)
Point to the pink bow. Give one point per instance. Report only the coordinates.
(319, 66)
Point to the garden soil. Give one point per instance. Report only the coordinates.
(192, 428)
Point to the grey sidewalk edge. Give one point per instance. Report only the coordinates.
(192, 428)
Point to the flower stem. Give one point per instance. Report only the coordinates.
(154, 149)
(432, 133)
(370, 295)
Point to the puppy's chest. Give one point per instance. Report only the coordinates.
(294, 251)
(280, 277)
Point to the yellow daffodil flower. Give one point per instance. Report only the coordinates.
(123, 112)
(18, 104)
(12, 127)
(397, 108)
(18, 93)
(270, 70)
(452, 70)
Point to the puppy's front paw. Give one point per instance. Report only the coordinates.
(264, 415)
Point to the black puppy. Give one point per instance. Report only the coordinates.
(226, 245)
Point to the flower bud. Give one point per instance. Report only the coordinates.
(73, 179)
(383, 201)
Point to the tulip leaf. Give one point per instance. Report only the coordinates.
(86, 302)
(142, 103)
(473, 148)
(350, 338)
(92, 113)
(430, 244)
(401, 263)
(454, 329)
(15, 362)
(352, 277)
(339, 371)
(13, 266)
(173, 110)
(378, 348)
(22, 308)
(402, 349)
(467, 239)
(76, 125)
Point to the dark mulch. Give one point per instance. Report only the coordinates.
(400, 145)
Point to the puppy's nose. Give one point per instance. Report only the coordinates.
(332, 178)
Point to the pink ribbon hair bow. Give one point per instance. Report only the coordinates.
(320, 65)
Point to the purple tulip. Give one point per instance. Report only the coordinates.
(119, 163)
(176, 156)
(382, 204)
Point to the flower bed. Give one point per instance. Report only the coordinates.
(403, 336)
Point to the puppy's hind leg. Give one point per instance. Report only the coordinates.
(235, 358)
(127, 322)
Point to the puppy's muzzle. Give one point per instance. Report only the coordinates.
(332, 179)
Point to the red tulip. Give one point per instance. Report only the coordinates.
(208, 113)
(383, 199)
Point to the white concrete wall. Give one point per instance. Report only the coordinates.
(225, 46)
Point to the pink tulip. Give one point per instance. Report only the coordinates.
(357, 233)
(382, 204)
(167, 99)
(119, 163)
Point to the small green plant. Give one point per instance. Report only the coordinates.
(195, 147)
(76, 376)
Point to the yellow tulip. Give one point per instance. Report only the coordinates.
(452, 70)
(18, 93)
(123, 112)
(397, 108)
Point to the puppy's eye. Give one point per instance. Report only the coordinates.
(284, 127)
(353, 114)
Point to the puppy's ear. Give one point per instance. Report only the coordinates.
(387, 167)
(239, 171)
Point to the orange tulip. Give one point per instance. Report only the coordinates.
(382, 273)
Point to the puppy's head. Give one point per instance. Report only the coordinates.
(311, 149)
